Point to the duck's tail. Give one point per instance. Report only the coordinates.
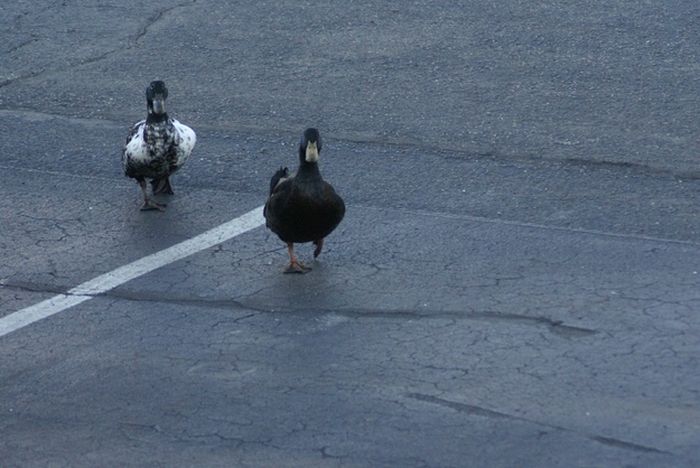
(280, 174)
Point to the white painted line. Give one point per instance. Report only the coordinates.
(123, 274)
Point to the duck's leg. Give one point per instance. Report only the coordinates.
(149, 204)
(295, 266)
(319, 246)
(162, 186)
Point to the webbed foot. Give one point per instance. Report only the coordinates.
(297, 267)
(150, 205)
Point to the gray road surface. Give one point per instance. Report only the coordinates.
(516, 282)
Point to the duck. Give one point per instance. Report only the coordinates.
(302, 207)
(156, 147)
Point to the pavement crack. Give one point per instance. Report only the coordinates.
(626, 445)
(132, 42)
(474, 410)
(22, 77)
(33, 287)
(135, 39)
(556, 327)
(154, 19)
(186, 301)
(150, 427)
(229, 321)
(21, 44)
(447, 152)
(464, 407)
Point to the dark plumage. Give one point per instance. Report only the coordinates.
(156, 147)
(303, 207)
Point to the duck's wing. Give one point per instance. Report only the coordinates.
(135, 130)
(135, 136)
(280, 191)
(135, 150)
(334, 204)
(186, 140)
(280, 175)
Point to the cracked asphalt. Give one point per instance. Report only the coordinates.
(516, 281)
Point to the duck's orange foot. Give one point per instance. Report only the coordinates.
(297, 267)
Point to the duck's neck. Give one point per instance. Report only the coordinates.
(308, 169)
(156, 118)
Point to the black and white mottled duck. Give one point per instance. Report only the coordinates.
(303, 207)
(156, 147)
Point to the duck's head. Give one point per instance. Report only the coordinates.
(310, 146)
(156, 94)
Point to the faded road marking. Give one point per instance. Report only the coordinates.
(123, 274)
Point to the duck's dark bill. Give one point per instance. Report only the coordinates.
(158, 106)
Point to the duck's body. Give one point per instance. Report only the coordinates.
(155, 150)
(156, 147)
(303, 207)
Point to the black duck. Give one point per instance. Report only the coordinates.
(303, 207)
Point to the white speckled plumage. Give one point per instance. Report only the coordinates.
(157, 150)
(157, 146)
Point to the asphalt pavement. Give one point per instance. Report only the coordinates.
(515, 283)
